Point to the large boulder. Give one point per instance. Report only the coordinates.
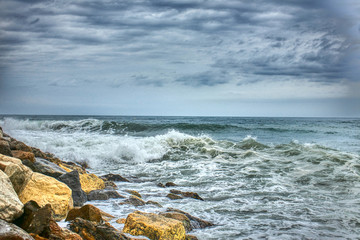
(47, 168)
(17, 145)
(9, 231)
(4, 158)
(5, 147)
(19, 175)
(180, 217)
(10, 205)
(153, 226)
(22, 155)
(44, 189)
(90, 182)
(92, 231)
(87, 212)
(72, 179)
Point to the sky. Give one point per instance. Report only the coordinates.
(286, 58)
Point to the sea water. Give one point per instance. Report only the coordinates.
(261, 178)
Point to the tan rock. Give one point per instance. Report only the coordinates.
(180, 217)
(121, 220)
(154, 226)
(10, 205)
(133, 192)
(87, 212)
(4, 158)
(5, 147)
(19, 175)
(43, 190)
(17, 145)
(91, 182)
(22, 155)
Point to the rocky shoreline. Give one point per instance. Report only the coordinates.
(38, 189)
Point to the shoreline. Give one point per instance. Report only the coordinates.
(68, 188)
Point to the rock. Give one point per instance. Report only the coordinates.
(153, 226)
(10, 205)
(173, 196)
(133, 192)
(4, 158)
(170, 184)
(72, 180)
(5, 148)
(47, 168)
(195, 222)
(103, 195)
(22, 155)
(19, 175)
(9, 231)
(135, 201)
(180, 217)
(121, 221)
(44, 189)
(1, 132)
(17, 145)
(40, 224)
(110, 185)
(160, 185)
(90, 231)
(87, 212)
(190, 237)
(37, 237)
(114, 178)
(187, 194)
(106, 216)
(91, 182)
(153, 203)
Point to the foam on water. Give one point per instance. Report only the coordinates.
(252, 189)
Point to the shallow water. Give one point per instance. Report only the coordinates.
(261, 178)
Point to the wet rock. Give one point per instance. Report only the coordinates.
(187, 194)
(180, 217)
(10, 205)
(5, 148)
(195, 221)
(106, 216)
(22, 155)
(170, 184)
(9, 231)
(17, 145)
(190, 237)
(173, 196)
(114, 178)
(160, 185)
(153, 226)
(47, 168)
(153, 203)
(90, 182)
(135, 201)
(87, 212)
(133, 192)
(44, 189)
(110, 185)
(72, 180)
(91, 231)
(103, 195)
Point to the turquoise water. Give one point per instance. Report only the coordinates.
(261, 178)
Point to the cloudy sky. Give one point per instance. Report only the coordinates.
(180, 57)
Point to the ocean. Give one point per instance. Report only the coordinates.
(261, 178)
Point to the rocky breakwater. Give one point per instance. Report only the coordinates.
(37, 190)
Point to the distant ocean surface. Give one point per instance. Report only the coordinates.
(261, 178)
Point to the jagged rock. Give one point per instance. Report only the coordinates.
(9, 231)
(135, 201)
(5, 148)
(160, 185)
(195, 221)
(87, 212)
(180, 217)
(22, 155)
(103, 195)
(187, 194)
(72, 179)
(47, 168)
(90, 182)
(114, 178)
(133, 192)
(91, 231)
(17, 145)
(153, 203)
(44, 189)
(10, 205)
(173, 196)
(18, 174)
(170, 184)
(40, 224)
(153, 226)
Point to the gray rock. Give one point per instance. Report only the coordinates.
(47, 168)
(9, 231)
(72, 179)
(10, 205)
(103, 195)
